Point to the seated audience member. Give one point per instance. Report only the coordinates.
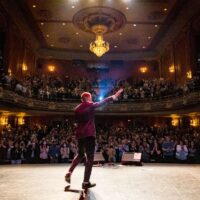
(181, 151)
(168, 149)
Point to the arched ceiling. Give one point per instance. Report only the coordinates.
(144, 21)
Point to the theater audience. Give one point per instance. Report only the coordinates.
(56, 143)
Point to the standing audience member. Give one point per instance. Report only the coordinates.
(64, 152)
(168, 149)
(16, 154)
(44, 149)
(181, 151)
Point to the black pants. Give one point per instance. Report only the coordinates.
(85, 146)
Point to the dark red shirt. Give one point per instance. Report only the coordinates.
(84, 114)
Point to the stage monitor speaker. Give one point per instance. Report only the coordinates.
(131, 158)
(98, 158)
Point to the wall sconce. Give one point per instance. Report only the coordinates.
(3, 120)
(20, 120)
(9, 72)
(194, 122)
(24, 67)
(143, 70)
(175, 122)
(172, 69)
(189, 74)
(51, 68)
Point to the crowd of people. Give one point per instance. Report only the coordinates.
(60, 89)
(57, 143)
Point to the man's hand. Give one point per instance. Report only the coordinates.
(116, 95)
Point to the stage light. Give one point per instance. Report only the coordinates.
(100, 98)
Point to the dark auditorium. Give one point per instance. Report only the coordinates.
(99, 99)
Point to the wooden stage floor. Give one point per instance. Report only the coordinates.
(149, 182)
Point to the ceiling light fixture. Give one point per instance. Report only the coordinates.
(134, 25)
(34, 6)
(99, 47)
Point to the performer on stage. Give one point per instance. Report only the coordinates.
(85, 134)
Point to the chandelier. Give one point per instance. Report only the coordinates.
(99, 47)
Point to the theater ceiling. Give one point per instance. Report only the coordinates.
(134, 25)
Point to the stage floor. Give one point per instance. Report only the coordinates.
(149, 182)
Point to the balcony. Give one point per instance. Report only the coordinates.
(189, 103)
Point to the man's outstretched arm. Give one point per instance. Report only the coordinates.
(108, 99)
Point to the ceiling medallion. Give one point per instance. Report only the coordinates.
(99, 21)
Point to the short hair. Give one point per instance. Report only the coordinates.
(85, 95)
